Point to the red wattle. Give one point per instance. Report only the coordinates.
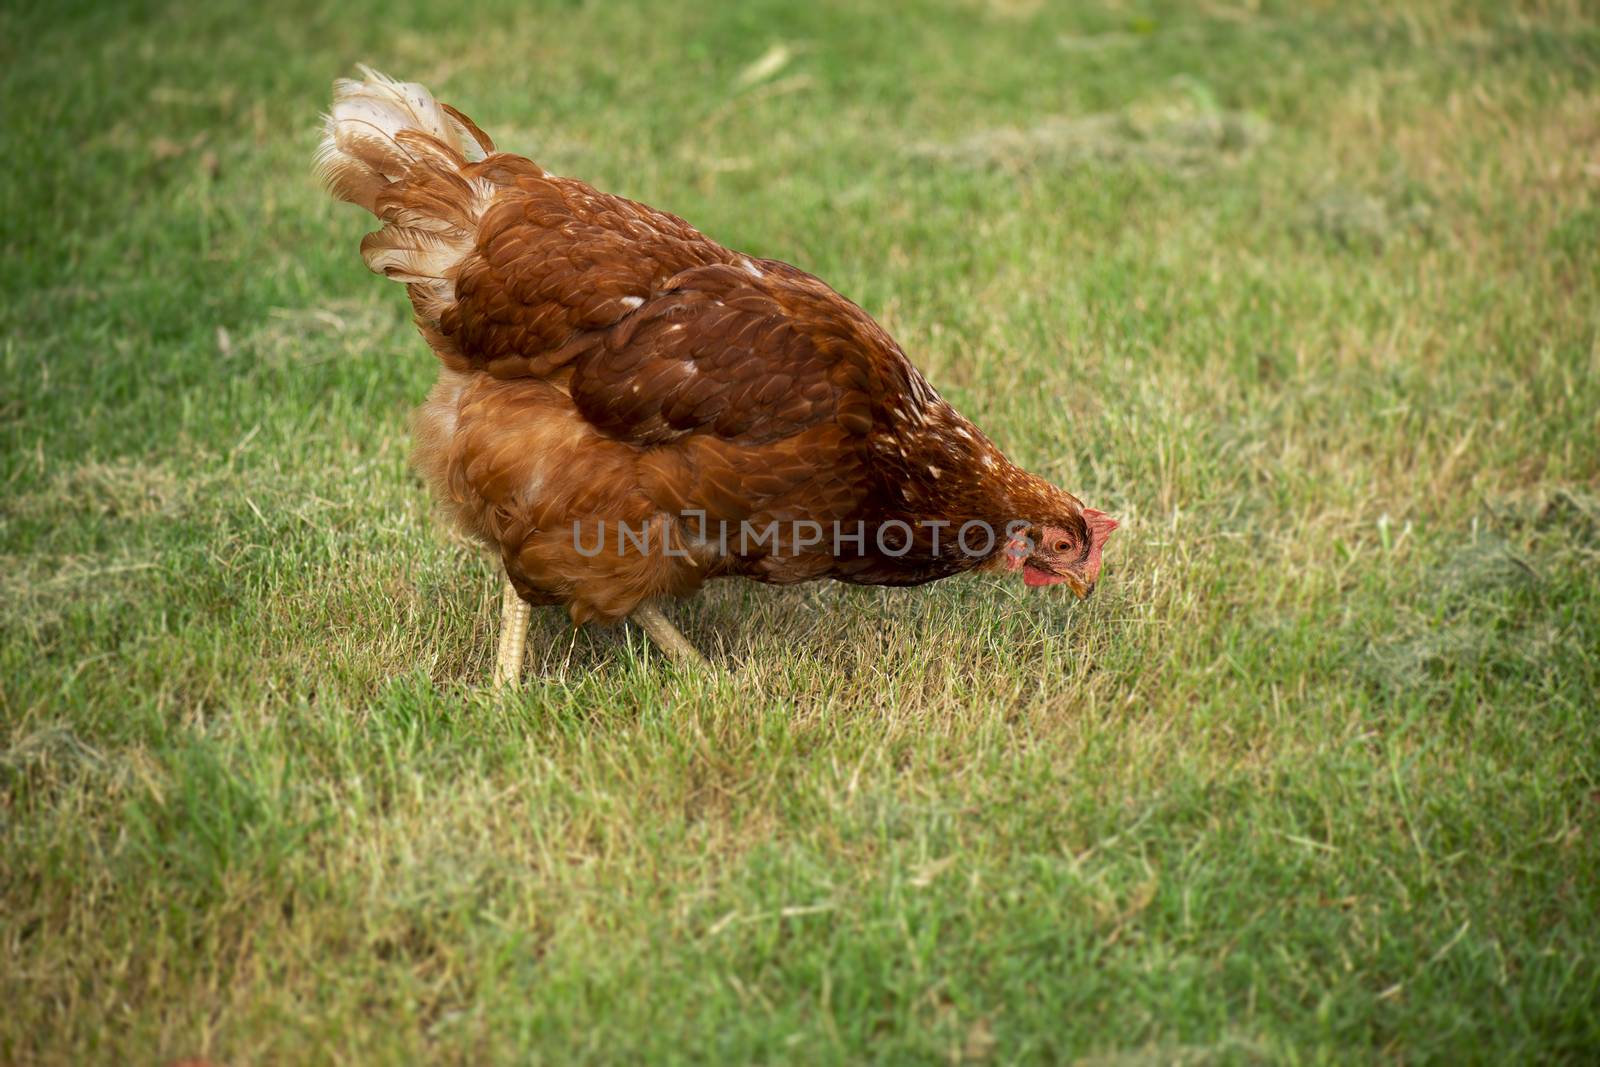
(1035, 577)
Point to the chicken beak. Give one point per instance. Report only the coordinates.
(1081, 589)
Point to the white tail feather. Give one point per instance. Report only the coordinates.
(381, 131)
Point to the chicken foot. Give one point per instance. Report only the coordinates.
(514, 637)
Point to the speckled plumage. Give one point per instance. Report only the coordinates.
(605, 363)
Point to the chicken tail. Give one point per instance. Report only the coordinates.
(390, 147)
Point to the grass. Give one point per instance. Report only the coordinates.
(1307, 295)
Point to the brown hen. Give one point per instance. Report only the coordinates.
(626, 408)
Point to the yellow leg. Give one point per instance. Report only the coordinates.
(513, 638)
(667, 636)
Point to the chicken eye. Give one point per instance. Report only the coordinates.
(1060, 545)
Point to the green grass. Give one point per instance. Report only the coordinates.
(1307, 296)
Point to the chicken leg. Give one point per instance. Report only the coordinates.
(514, 638)
(667, 636)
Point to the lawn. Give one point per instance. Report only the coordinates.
(1307, 295)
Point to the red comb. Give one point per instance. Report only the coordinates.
(1099, 520)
